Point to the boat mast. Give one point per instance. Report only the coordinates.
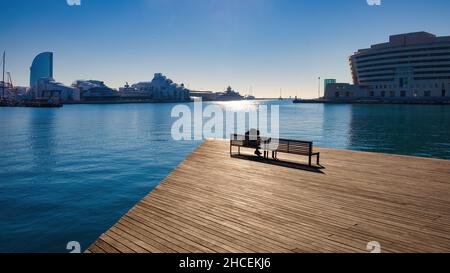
(3, 81)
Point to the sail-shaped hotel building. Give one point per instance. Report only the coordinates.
(42, 83)
(41, 68)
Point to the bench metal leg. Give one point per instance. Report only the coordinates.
(310, 162)
(275, 155)
(318, 159)
(239, 150)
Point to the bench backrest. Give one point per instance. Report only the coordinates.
(237, 137)
(280, 145)
(240, 140)
(295, 147)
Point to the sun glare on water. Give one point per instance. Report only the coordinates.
(239, 105)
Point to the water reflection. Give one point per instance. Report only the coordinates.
(237, 106)
(420, 130)
(42, 141)
(69, 174)
(337, 125)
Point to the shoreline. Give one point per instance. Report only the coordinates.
(106, 102)
(377, 101)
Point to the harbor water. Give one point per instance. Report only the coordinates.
(69, 174)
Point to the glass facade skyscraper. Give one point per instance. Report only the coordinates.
(42, 67)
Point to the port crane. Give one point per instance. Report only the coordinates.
(10, 79)
(9, 85)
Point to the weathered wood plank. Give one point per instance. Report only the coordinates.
(216, 203)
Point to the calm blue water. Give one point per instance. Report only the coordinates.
(69, 174)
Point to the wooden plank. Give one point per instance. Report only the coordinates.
(216, 203)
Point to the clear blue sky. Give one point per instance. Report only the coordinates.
(208, 44)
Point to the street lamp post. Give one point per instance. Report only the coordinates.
(319, 88)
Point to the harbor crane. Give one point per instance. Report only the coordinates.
(10, 80)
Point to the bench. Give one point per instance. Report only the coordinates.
(276, 146)
(240, 141)
(296, 147)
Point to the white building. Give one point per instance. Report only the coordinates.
(129, 92)
(48, 86)
(412, 65)
(92, 90)
(162, 89)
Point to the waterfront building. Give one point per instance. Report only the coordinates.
(42, 67)
(128, 92)
(44, 86)
(93, 90)
(48, 88)
(326, 82)
(161, 88)
(412, 65)
(345, 90)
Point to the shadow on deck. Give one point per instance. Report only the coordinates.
(281, 163)
(243, 204)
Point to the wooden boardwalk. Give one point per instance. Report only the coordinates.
(215, 203)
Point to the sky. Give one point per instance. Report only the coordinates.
(260, 45)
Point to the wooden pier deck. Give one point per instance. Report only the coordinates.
(215, 203)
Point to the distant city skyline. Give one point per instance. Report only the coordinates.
(211, 44)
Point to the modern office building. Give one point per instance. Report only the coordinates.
(42, 67)
(412, 65)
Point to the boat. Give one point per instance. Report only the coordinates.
(3, 84)
(297, 100)
(250, 95)
(30, 103)
(42, 104)
(229, 95)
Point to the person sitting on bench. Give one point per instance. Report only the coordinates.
(253, 139)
